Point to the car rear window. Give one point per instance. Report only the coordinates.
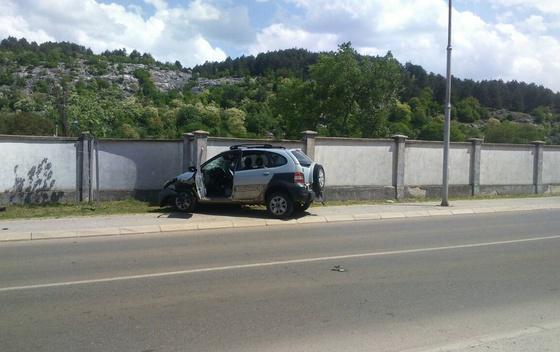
(303, 159)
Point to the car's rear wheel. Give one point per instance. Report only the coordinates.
(185, 201)
(279, 205)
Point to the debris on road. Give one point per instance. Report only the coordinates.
(338, 268)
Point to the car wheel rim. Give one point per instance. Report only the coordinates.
(278, 205)
(182, 202)
(321, 179)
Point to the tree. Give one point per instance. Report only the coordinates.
(337, 78)
(468, 110)
(235, 122)
(25, 123)
(511, 132)
(294, 104)
(355, 94)
(401, 112)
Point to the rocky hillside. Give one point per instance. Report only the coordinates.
(63, 88)
(121, 75)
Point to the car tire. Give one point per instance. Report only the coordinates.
(301, 207)
(279, 205)
(318, 179)
(185, 202)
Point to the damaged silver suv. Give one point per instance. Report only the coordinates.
(285, 180)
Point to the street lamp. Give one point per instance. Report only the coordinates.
(447, 123)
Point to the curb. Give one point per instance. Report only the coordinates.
(309, 219)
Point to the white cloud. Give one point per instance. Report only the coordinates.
(416, 31)
(543, 6)
(170, 33)
(280, 36)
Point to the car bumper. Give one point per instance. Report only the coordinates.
(302, 194)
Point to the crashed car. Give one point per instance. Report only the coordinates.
(287, 181)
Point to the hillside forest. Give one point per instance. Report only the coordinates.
(64, 88)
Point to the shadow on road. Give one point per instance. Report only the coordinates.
(240, 211)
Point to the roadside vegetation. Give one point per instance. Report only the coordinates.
(131, 206)
(340, 93)
(29, 211)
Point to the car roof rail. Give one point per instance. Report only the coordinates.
(251, 145)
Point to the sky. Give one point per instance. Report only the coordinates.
(492, 39)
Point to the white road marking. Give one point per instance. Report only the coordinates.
(275, 263)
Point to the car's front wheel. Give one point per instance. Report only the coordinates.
(280, 205)
(185, 201)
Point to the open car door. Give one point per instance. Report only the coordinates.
(199, 177)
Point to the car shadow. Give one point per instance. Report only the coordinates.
(239, 211)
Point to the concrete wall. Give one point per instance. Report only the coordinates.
(424, 162)
(506, 164)
(37, 170)
(128, 166)
(47, 169)
(551, 165)
(356, 162)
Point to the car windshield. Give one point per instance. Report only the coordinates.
(303, 159)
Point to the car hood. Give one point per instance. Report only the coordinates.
(186, 176)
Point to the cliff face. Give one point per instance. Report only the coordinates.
(121, 75)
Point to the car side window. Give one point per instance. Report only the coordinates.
(253, 160)
(275, 159)
(224, 161)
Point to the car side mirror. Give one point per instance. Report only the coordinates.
(192, 168)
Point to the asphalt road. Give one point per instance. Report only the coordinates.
(408, 284)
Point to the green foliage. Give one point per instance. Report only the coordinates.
(25, 123)
(294, 104)
(510, 132)
(147, 86)
(544, 114)
(355, 94)
(467, 110)
(235, 122)
(433, 131)
(401, 112)
(284, 92)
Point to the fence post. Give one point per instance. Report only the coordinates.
(538, 166)
(309, 143)
(188, 147)
(200, 145)
(84, 167)
(474, 170)
(399, 165)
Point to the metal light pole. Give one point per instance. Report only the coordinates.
(447, 124)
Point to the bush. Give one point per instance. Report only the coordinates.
(25, 123)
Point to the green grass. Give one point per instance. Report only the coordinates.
(131, 206)
(423, 200)
(128, 206)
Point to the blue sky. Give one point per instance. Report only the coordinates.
(493, 39)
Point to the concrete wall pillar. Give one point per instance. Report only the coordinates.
(538, 166)
(474, 170)
(84, 170)
(188, 149)
(308, 138)
(200, 145)
(399, 165)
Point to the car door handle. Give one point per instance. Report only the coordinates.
(266, 173)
